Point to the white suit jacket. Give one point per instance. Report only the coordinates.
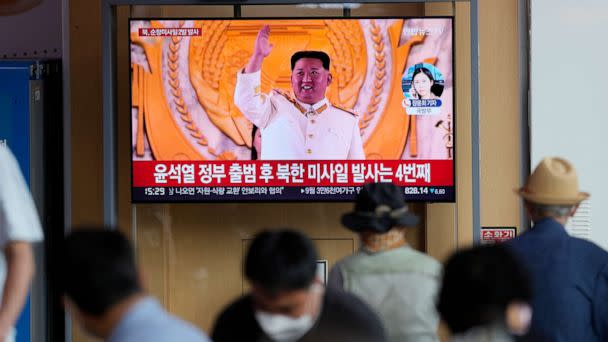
(292, 130)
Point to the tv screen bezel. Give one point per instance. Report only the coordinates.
(329, 200)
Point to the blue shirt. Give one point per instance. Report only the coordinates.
(570, 282)
(148, 321)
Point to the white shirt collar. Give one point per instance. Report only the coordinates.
(315, 106)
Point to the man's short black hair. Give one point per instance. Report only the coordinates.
(281, 260)
(320, 55)
(254, 151)
(98, 269)
(478, 285)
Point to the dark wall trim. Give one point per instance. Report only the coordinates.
(475, 157)
(524, 105)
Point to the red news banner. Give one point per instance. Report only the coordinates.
(292, 173)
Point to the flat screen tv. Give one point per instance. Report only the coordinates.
(291, 109)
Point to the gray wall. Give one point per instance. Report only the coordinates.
(569, 115)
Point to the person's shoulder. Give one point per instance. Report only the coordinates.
(238, 309)
(239, 313)
(284, 95)
(356, 262)
(346, 111)
(407, 259)
(350, 263)
(535, 234)
(347, 303)
(184, 331)
(526, 244)
(148, 321)
(525, 240)
(589, 249)
(4, 152)
(588, 245)
(516, 245)
(355, 313)
(176, 332)
(427, 262)
(8, 162)
(404, 259)
(350, 259)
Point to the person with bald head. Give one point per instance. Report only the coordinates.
(570, 275)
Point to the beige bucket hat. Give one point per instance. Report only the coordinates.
(553, 182)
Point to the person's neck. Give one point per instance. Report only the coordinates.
(307, 105)
(317, 304)
(116, 313)
(376, 242)
(563, 220)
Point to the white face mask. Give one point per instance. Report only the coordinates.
(283, 328)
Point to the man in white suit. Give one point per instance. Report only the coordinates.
(307, 127)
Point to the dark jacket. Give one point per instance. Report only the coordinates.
(570, 282)
(343, 317)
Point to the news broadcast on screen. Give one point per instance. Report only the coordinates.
(291, 109)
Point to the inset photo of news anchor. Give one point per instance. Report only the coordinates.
(422, 87)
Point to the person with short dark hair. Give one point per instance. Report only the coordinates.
(570, 275)
(320, 55)
(485, 295)
(423, 84)
(397, 281)
(256, 143)
(288, 303)
(302, 126)
(103, 292)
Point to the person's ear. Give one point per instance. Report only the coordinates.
(518, 316)
(573, 210)
(528, 208)
(71, 307)
(329, 79)
(91, 324)
(318, 281)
